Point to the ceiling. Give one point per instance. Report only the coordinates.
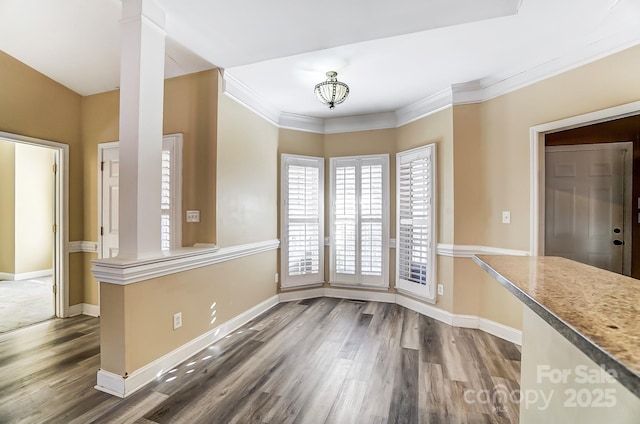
(392, 53)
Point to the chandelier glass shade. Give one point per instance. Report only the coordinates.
(331, 92)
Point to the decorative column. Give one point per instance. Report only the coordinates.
(141, 109)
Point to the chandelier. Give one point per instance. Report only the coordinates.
(331, 92)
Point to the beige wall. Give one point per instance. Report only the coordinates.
(34, 201)
(7, 208)
(36, 106)
(190, 108)
(147, 308)
(246, 176)
(137, 321)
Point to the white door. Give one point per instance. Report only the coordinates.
(109, 227)
(587, 215)
(171, 204)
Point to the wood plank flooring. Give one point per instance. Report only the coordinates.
(322, 360)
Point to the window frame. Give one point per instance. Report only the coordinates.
(312, 279)
(414, 288)
(357, 279)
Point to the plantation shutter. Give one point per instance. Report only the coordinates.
(359, 220)
(415, 232)
(302, 220)
(171, 192)
(165, 203)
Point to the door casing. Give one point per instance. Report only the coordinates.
(537, 163)
(61, 217)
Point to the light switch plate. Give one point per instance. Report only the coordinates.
(193, 216)
(177, 320)
(506, 217)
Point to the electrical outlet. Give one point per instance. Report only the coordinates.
(440, 290)
(193, 216)
(177, 320)
(277, 278)
(506, 217)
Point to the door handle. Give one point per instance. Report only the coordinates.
(618, 242)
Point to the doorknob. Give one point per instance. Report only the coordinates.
(617, 230)
(618, 242)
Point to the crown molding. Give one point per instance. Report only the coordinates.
(476, 91)
(238, 91)
(424, 107)
(304, 123)
(373, 121)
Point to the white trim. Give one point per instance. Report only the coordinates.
(372, 121)
(425, 107)
(26, 275)
(457, 94)
(304, 123)
(500, 330)
(364, 294)
(83, 246)
(123, 386)
(462, 321)
(84, 309)
(123, 271)
(236, 90)
(301, 294)
(61, 216)
(463, 251)
(537, 149)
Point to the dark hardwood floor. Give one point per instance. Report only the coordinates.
(316, 361)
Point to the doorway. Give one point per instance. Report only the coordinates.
(588, 204)
(33, 225)
(616, 124)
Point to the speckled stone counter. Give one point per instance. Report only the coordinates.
(596, 310)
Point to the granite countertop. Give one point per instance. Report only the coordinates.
(596, 310)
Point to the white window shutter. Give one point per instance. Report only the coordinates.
(416, 221)
(171, 193)
(302, 227)
(359, 220)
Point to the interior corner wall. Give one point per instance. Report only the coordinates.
(247, 176)
(438, 128)
(7, 208)
(505, 124)
(34, 105)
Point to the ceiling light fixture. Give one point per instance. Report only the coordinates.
(331, 92)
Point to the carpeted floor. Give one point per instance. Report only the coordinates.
(25, 302)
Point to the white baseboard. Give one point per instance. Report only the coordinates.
(425, 309)
(121, 386)
(84, 309)
(463, 321)
(500, 330)
(75, 310)
(26, 275)
(369, 296)
(301, 294)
